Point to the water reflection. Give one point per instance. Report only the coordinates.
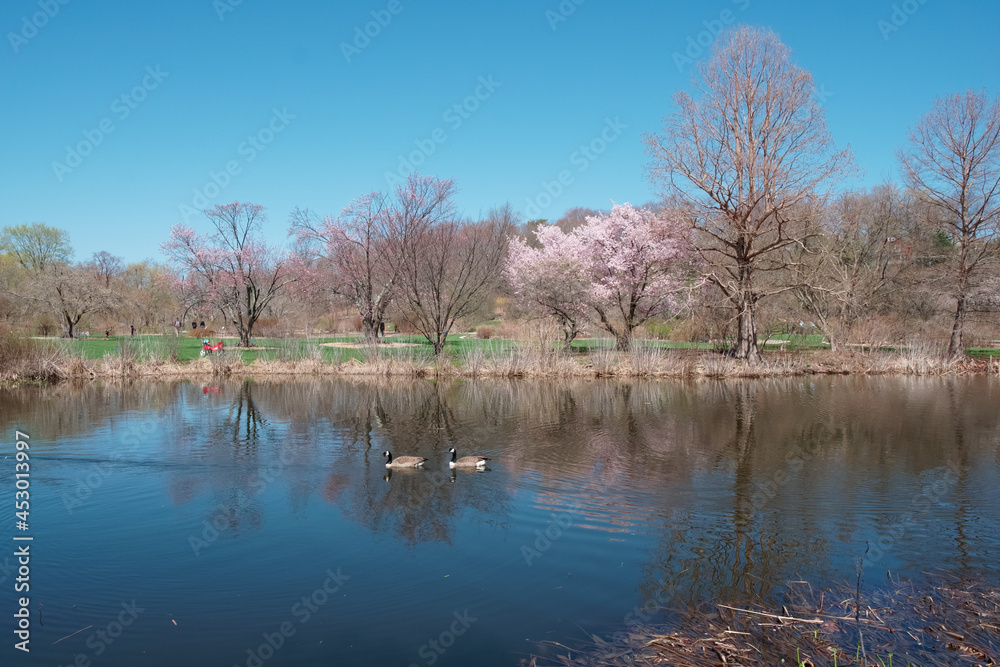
(694, 491)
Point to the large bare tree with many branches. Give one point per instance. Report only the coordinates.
(451, 269)
(750, 158)
(952, 161)
(360, 253)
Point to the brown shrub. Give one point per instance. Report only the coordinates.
(268, 327)
(22, 358)
(404, 323)
(508, 331)
(13, 348)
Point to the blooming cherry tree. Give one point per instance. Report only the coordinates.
(231, 269)
(551, 278)
(636, 261)
(623, 268)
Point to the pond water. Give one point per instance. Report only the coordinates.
(255, 523)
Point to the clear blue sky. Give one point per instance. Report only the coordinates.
(220, 81)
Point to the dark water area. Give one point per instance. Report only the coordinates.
(256, 524)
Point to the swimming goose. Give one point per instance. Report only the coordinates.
(466, 461)
(403, 461)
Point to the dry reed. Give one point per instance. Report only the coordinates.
(944, 621)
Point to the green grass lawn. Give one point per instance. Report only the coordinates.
(189, 348)
(457, 346)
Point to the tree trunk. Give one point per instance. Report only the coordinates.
(569, 333)
(438, 343)
(68, 325)
(623, 338)
(370, 328)
(746, 336)
(956, 347)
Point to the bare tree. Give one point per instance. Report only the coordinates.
(47, 279)
(451, 268)
(148, 293)
(848, 269)
(106, 267)
(234, 269)
(69, 292)
(952, 161)
(575, 217)
(359, 254)
(750, 159)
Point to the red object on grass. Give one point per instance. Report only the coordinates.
(208, 347)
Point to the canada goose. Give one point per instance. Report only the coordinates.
(403, 461)
(466, 461)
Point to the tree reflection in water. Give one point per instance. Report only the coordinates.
(731, 488)
(326, 439)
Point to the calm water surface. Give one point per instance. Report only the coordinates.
(208, 517)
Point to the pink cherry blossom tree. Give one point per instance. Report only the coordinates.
(551, 277)
(637, 262)
(623, 268)
(360, 253)
(232, 269)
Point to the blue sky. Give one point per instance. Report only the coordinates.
(269, 92)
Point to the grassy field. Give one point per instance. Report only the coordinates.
(189, 348)
(457, 347)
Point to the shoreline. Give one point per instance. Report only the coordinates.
(527, 363)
